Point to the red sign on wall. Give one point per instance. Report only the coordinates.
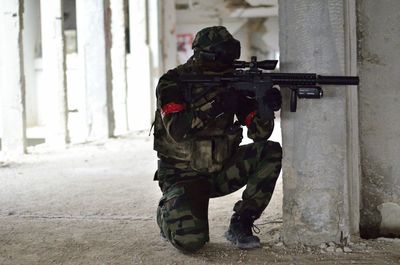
(184, 46)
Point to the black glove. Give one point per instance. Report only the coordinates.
(273, 99)
(246, 105)
(225, 102)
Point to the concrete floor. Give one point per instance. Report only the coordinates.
(95, 204)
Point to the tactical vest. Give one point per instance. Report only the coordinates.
(209, 149)
(203, 153)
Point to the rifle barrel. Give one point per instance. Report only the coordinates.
(307, 79)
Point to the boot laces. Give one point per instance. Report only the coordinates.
(249, 226)
(255, 229)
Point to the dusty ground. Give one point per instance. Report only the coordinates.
(95, 204)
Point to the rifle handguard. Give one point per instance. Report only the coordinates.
(257, 83)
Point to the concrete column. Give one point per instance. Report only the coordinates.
(12, 78)
(353, 183)
(169, 51)
(54, 70)
(158, 21)
(139, 76)
(118, 59)
(31, 38)
(95, 64)
(317, 137)
(379, 60)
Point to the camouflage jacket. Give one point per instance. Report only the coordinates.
(185, 134)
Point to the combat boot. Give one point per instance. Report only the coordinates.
(240, 232)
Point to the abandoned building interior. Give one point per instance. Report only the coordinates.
(77, 102)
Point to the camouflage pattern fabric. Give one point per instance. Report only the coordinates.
(208, 37)
(199, 153)
(182, 211)
(173, 132)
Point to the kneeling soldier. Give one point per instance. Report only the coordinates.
(197, 142)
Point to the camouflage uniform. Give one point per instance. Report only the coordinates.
(200, 157)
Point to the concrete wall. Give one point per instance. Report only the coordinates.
(1, 73)
(139, 62)
(271, 37)
(12, 78)
(379, 66)
(37, 94)
(69, 14)
(264, 40)
(315, 138)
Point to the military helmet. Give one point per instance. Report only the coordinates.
(216, 43)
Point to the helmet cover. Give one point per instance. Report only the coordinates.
(217, 41)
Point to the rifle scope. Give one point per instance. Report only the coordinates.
(254, 65)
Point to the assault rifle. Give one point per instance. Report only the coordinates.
(256, 82)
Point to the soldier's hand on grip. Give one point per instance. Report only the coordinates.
(246, 106)
(273, 99)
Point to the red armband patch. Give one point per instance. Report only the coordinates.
(172, 108)
(249, 118)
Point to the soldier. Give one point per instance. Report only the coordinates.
(197, 142)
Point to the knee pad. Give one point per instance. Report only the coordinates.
(190, 242)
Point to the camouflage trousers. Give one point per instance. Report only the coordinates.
(182, 214)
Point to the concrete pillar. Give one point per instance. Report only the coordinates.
(95, 64)
(169, 42)
(317, 139)
(379, 48)
(31, 38)
(54, 70)
(118, 60)
(139, 77)
(12, 78)
(159, 21)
